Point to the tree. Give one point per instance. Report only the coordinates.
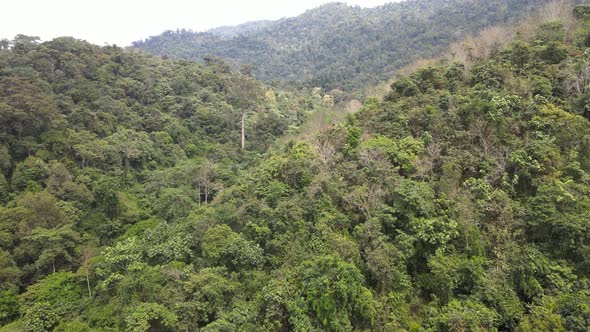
(385, 262)
(115, 261)
(208, 293)
(87, 146)
(243, 94)
(8, 306)
(4, 189)
(9, 273)
(330, 295)
(325, 150)
(32, 171)
(41, 210)
(366, 199)
(222, 246)
(61, 184)
(578, 77)
(26, 109)
(143, 315)
(466, 315)
(216, 241)
(132, 145)
(173, 203)
(49, 300)
(107, 200)
(87, 253)
(204, 178)
(53, 244)
(4, 44)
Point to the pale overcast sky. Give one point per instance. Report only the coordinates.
(123, 21)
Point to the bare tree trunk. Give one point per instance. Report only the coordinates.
(243, 129)
(52, 72)
(200, 193)
(86, 255)
(88, 283)
(53, 263)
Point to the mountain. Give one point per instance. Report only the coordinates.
(459, 202)
(234, 31)
(338, 46)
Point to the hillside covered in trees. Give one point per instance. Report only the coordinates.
(86, 130)
(459, 202)
(337, 46)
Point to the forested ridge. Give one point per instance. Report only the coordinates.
(131, 201)
(336, 46)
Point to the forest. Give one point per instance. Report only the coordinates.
(144, 193)
(336, 46)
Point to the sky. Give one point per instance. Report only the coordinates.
(124, 21)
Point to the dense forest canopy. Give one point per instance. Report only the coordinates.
(459, 202)
(339, 46)
(85, 130)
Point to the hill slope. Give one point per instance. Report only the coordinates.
(459, 203)
(337, 46)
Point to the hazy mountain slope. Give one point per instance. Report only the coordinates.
(337, 46)
(233, 31)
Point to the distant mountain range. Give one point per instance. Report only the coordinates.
(340, 46)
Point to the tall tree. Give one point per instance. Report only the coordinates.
(244, 93)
